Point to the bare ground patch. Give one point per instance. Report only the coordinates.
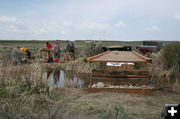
(103, 105)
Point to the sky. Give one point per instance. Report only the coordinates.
(118, 20)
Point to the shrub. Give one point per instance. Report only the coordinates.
(171, 54)
(93, 48)
(171, 57)
(166, 66)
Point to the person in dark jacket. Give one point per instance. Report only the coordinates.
(50, 59)
(68, 47)
(67, 57)
(72, 51)
(28, 54)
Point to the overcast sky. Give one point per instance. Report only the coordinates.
(121, 20)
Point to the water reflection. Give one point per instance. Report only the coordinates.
(62, 78)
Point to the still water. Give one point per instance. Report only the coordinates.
(60, 79)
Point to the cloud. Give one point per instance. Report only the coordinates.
(5, 19)
(88, 19)
(177, 16)
(42, 30)
(153, 28)
(63, 32)
(93, 26)
(15, 28)
(120, 24)
(82, 10)
(19, 28)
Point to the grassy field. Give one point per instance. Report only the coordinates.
(25, 94)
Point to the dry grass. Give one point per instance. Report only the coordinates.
(23, 94)
(162, 76)
(80, 66)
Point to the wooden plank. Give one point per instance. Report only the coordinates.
(119, 56)
(95, 56)
(121, 90)
(137, 76)
(118, 61)
(120, 81)
(124, 73)
(143, 57)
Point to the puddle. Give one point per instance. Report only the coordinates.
(60, 79)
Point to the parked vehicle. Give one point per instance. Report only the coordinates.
(150, 46)
(117, 47)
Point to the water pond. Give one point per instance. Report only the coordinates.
(60, 79)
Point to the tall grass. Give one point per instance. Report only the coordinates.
(23, 94)
(171, 54)
(166, 66)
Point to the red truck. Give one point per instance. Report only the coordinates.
(150, 46)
